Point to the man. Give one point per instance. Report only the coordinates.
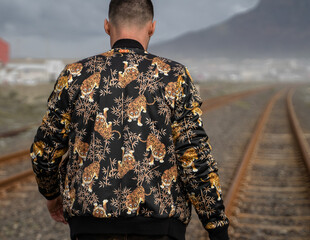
(138, 156)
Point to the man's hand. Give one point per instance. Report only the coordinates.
(55, 208)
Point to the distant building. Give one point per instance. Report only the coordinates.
(4, 52)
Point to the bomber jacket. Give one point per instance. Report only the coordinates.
(138, 156)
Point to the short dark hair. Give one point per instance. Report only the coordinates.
(136, 12)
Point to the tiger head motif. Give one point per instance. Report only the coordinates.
(159, 152)
(100, 210)
(188, 159)
(90, 173)
(157, 149)
(81, 148)
(161, 66)
(134, 199)
(75, 69)
(170, 92)
(89, 85)
(169, 176)
(126, 164)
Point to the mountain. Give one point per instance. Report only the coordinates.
(274, 28)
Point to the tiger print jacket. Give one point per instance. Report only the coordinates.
(137, 154)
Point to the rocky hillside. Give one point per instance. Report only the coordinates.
(274, 28)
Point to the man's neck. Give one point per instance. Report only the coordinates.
(140, 35)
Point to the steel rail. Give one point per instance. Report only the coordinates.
(302, 142)
(240, 172)
(14, 156)
(7, 182)
(216, 102)
(15, 132)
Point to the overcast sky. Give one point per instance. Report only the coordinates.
(74, 28)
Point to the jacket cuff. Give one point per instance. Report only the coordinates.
(219, 233)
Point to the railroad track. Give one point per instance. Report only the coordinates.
(17, 131)
(14, 158)
(9, 165)
(216, 102)
(269, 197)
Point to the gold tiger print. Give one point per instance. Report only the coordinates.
(89, 85)
(169, 176)
(90, 172)
(134, 199)
(196, 111)
(127, 163)
(170, 92)
(180, 91)
(213, 225)
(66, 120)
(135, 109)
(75, 70)
(172, 211)
(57, 154)
(110, 53)
(100, 211)
(161, 66)
(62, 83)
(130, 74)
(188, 159)
(194, 200)
(210, 225)
(37, 150)
(103, 127)
(214, 180)
(81, 148)
(158, 150)
(176, 131)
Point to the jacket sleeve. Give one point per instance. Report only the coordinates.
(198, 169)
(51, 140)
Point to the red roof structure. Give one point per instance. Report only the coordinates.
(4, 52)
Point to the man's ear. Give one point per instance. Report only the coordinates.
(152, 28)
(107, 26)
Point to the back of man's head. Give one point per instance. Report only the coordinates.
(130, 12)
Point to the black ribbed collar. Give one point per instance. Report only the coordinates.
(127, 43)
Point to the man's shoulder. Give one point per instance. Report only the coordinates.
(88, 59)
(169, 61)
(88, 65)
